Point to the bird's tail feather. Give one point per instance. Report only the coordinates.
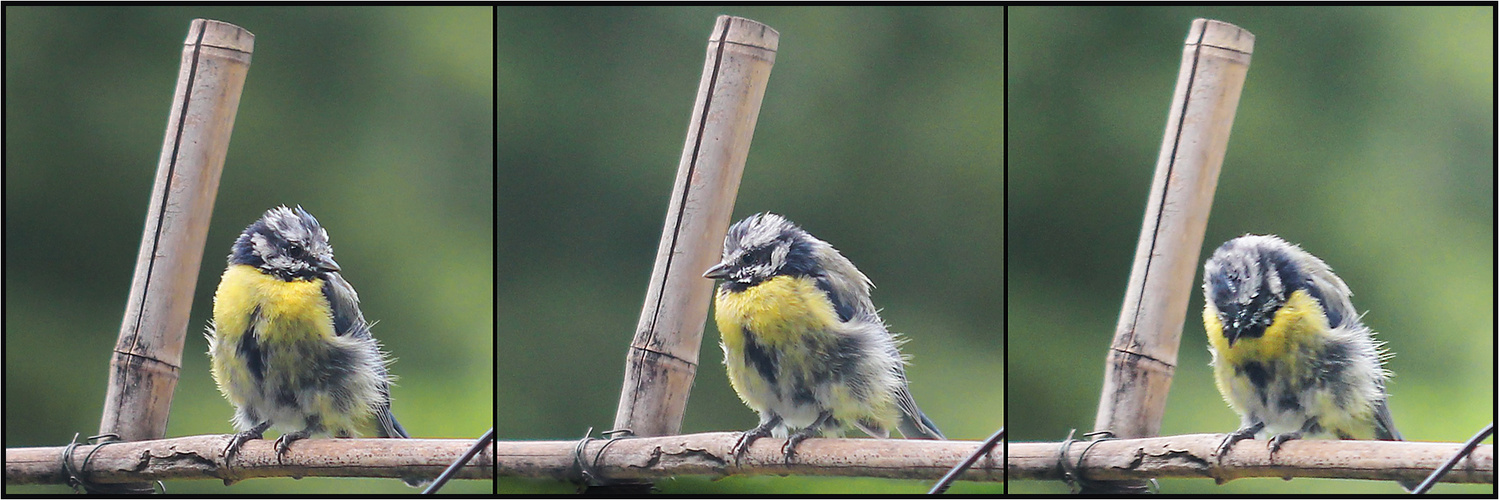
(918, 426)
(391, 428)
(1384, 430)
(913, 423)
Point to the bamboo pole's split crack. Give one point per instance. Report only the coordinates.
(221, 47)
(1144, 356)
(742, 44)
(149, 358)
(665, 355)
(1220, 47)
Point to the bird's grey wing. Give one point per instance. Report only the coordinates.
(1332, 293)
(344, 301)
(842, 303)
(349, 321)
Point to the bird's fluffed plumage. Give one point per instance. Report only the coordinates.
(290, 348)
(803, 343)
(1290, 353)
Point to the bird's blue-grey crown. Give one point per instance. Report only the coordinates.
(288, 243)
(1250, 277)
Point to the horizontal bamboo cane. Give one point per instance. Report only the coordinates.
(709, 454)
(1193, 456)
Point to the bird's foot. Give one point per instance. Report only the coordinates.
(1243, 433)
(283, 443)
(1280, 439)
(239, 439)
(788, 450)
(741, 446)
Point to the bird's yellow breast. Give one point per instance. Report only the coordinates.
(286, 311)
(1299, 324)
(779, 310)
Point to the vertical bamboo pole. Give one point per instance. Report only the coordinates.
(148, 355)
(1142, 359)
(662, 359)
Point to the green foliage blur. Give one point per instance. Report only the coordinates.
(1365, 134)
(881, 132)
(378, 120)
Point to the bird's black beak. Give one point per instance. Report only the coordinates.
(1237, 324)
(718, 272)
(326, 264)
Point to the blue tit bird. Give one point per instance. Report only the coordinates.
(1290, 353)
(290, 348)
(803, 343)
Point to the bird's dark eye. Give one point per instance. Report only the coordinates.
(757, 259)
(296, 252)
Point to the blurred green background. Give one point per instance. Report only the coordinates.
(379, 121)
(881, 132)
(1364, 134)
